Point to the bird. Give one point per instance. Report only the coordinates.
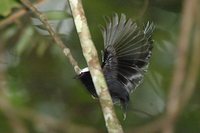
(125, 58)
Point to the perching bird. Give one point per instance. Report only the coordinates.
(125, 58)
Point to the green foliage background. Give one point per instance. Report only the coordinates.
(38, 91)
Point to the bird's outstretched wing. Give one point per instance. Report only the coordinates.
(127, 50)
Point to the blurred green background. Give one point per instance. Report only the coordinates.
(38, 91)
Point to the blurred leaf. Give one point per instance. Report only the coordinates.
(9, 32)
(6, 6)
(56, 15)
(42, 48)
(25, 38)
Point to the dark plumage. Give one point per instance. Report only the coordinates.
(125, 59)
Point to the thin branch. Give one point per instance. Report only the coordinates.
(90, 54)
(56, 38)
(16, 15)
(12, 18)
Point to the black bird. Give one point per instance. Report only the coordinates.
(125, 58)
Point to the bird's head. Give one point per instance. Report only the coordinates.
(85, 77)
(83, 72)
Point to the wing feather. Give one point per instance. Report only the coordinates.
(127, 50)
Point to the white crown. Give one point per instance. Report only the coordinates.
(84, 70)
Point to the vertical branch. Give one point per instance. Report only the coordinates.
(90, 54)
(193, 72)
(173, 105)
(56, 38)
